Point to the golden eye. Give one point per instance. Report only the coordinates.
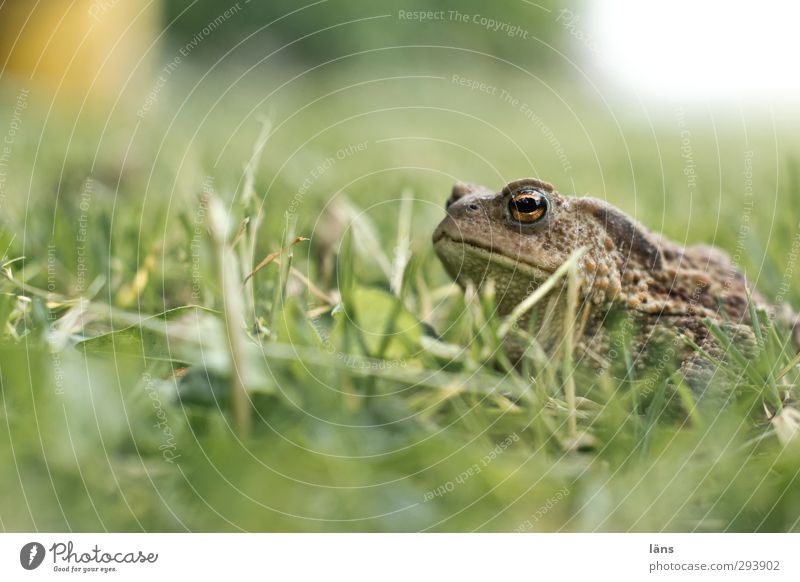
(528, 206)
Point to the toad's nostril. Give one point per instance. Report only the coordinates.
(472, 206)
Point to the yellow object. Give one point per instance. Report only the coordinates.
(80, 47)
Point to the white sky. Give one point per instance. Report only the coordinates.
(701, 49)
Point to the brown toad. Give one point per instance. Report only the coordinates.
(518, 237)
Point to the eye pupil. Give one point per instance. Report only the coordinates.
(528, 206)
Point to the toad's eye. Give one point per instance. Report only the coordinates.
(528, 206)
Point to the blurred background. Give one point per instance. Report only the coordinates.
(580, 96)
(117, 116)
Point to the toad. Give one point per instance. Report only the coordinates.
(519, 237)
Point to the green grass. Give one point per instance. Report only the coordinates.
(381, 400)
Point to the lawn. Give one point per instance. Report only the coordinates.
(139, 326)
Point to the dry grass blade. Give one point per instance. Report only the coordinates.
(241, 232)
(570, 320)
(316, 291)
(271, 257)
(233, 314)
(403, 246)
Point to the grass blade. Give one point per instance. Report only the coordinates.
(526, 304)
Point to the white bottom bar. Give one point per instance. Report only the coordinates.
(401, 557)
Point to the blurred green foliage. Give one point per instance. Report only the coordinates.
(318, 31)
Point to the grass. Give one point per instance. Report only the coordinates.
(153, 380)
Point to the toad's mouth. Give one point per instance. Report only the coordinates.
(456, 252)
